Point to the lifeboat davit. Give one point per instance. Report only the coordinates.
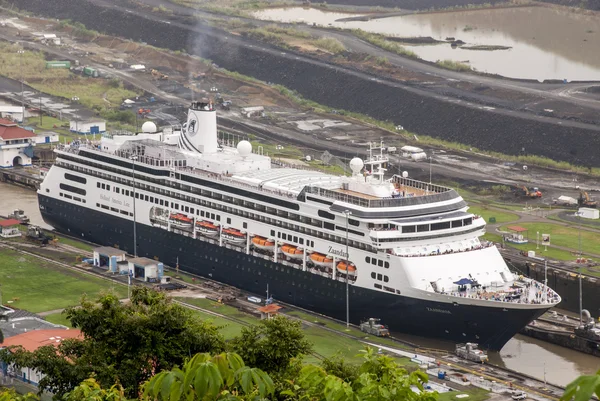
(263, 243)
(349, 268)
(292, 252)
(321, 260)
(233, 235)
(207, 228)
(180, 220)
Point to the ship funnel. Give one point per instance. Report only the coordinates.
(200, 131)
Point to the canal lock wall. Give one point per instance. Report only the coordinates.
(417, 110)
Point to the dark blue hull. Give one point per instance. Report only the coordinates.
(490, 327)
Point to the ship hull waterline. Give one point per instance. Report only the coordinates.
(491, 327)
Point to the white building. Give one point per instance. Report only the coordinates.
(31, 341)
(47, 137)
(10, 228)
(87, 126)
(16, 145)
(413, 153)
(14, 113)
(146, 269)
(107, 256)
(589, 213)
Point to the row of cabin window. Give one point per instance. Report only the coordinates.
(379, 277)
(436, 236)
(75, 198)
(377, 262)
(293, 238)
(277, 212)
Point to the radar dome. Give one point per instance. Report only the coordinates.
(356, 164)
(244, 148)
(148, 127)
(404, 174)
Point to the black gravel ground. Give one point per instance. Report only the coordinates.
(416, 110)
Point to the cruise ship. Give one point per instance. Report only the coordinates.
(405, 251)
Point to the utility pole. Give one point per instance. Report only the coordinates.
(347, 213)
(41, 113)
(133, 159)
(21, 52)
(430, 159)
(580, 287)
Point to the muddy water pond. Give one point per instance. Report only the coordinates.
(544, 43)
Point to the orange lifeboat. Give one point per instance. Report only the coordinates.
(233, 235)
(292, 252)
(350, 268)
(263, 243)
(180, 220)
(321, 260)
(207, 228)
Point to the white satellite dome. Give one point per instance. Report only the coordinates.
(405, 174)
(244, 148)
(356, 164)
(148, 127)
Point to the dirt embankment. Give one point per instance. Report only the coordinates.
(413, 4)
(415, 110)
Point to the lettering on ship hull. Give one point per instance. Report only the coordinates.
(436, 310)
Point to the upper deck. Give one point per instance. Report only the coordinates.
(408, 192)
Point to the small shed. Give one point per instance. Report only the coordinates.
(10, 228)
(46, 137)
(146, 269)
(107, 256)
(87, 126)
(269, 311)
(517, 235)
(589, 213)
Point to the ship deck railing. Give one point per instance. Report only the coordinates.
(423, 193)
(487, 244)
(532, 292)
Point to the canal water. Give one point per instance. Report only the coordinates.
(545, 43)
(523, 354)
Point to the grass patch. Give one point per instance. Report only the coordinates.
(223, 309)
(74, 243)
(453, 65)
(58, 318)
(564, 236)
(39, 286)
(228, 328)
(93, 93)
(332, 45)
(380, 41)
(501, 217)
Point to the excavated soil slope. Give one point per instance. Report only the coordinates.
(417, 111)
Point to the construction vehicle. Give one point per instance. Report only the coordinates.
(143, 113)
(529, 193)
(34, 233)
(471, 352)
(159, 75)
(374, 327)
(585, 200)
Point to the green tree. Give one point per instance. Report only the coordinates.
(90, 390)
(123, 343)
(11, 395)
(583, 388)
(379, 379)
(272, 344)
(206, 378)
